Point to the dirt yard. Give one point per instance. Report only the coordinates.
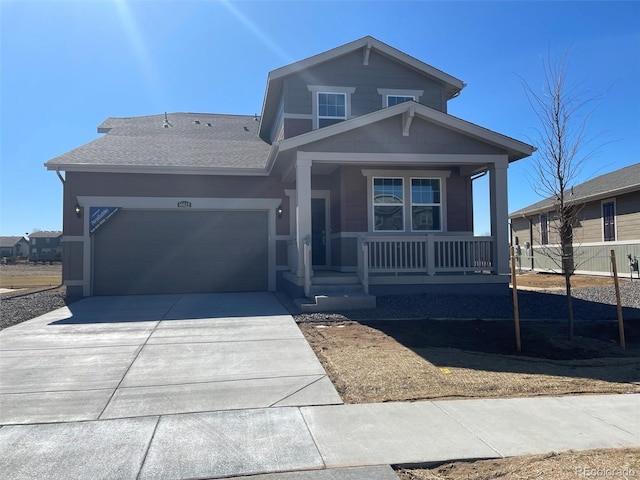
(401, 360)
(614, 464)
(416, 360)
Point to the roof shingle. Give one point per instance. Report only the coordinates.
(184, 140)
(619, 180)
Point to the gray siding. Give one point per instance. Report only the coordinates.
(344, 251)
(628, 216)
(72, 263)
(459, 204)
(386, 136)
(152, 185)
(349, 71)
(589, 228)
(589, 259)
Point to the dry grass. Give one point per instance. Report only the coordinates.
(368, 365)
(27, 275)
(413, 360)
(556, 281)
(616, 463)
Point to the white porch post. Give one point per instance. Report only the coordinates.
(499, 215)
(303, 209)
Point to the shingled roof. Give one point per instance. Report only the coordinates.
(184, 140)
(10, 242)
(46, 234)
(614, 183)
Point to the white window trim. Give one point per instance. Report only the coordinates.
(425, 204)
(615, 219)
(317, 89)
(398, 92)
(374, 205)
(406, 175)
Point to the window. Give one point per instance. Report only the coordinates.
(544, 229)
(609, 221)
(388, 204)
(396, 99)
(425, 204)
(332, 108)
(394, 96)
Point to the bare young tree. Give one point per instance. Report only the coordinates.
(563, 113)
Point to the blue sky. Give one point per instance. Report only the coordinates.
(68, 65)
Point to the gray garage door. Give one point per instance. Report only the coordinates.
(144, 252)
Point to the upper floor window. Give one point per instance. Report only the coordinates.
(394, 96)
(332, 108)
(330, 104)
(609, 221)
(396, 99)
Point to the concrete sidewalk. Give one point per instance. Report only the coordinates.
(304, 439)
(217, 386)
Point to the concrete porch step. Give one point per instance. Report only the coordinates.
(336, 288)
(336, 301)
(334, 278)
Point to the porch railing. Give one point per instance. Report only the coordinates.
(430, 254)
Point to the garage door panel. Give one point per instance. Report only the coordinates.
(140, 252)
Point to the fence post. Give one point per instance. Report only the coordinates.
(516, 310)
(618, 303)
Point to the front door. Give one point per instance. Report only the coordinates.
(318, 232)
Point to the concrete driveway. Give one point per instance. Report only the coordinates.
(121, 357)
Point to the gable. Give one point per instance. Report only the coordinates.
(388, 130)
(381, 72)
(366, 52)
(386, 136)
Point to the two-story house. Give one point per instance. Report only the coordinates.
(607, 218)
(11, 247)
(354, 178)
(45, 246)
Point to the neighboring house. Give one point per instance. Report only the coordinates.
(14, 247)
(608, 219)
(45, 246)
(353, 178)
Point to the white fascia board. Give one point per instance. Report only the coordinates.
(403, 158)
(171, 203)
(172, 170)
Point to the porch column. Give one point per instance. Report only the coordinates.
(499, 215)
(303, 209)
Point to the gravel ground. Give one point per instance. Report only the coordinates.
(16, 308)
(589, 304)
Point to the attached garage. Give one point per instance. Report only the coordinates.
(175, 251)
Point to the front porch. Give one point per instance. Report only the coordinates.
(402, 265)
